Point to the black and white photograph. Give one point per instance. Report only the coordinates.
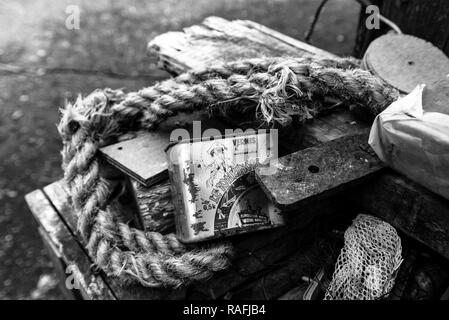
(226, 155)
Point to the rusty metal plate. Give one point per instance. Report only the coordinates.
(317, 172)
(143, 158)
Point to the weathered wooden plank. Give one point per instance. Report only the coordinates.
(331, 126)
(413, 209)
(315, 173)
(59, 266)
(67, 249)
(218, 40)
(58, 195)
(251, 264)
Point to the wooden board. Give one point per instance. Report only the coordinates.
(315, 173)
(405, 61)
(413, 209)
(63, 244)
(218, 40)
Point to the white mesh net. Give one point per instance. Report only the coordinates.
(368, 263)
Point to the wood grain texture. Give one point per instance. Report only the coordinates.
(319, 130)
(64, 246)
(217, 40)
(413, 209)
(271, 262)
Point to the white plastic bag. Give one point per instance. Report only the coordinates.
(412, 136)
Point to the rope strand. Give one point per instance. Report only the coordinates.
(276, 88)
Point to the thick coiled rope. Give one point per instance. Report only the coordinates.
(275, 88)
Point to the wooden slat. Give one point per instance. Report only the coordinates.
(405, 61)
(409, 207)
(65, 246)
(217, 40)
(58, 195)
(259, 250)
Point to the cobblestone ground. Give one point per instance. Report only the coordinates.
(112, 36)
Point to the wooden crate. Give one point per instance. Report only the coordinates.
(268, 264)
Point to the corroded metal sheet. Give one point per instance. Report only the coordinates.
(317, 172)
(143, 158)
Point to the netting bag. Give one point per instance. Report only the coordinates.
(368, 263)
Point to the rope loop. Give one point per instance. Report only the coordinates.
(275, 88)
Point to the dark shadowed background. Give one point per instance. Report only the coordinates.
(112, 38)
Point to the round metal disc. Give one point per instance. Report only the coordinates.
(405, 61)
